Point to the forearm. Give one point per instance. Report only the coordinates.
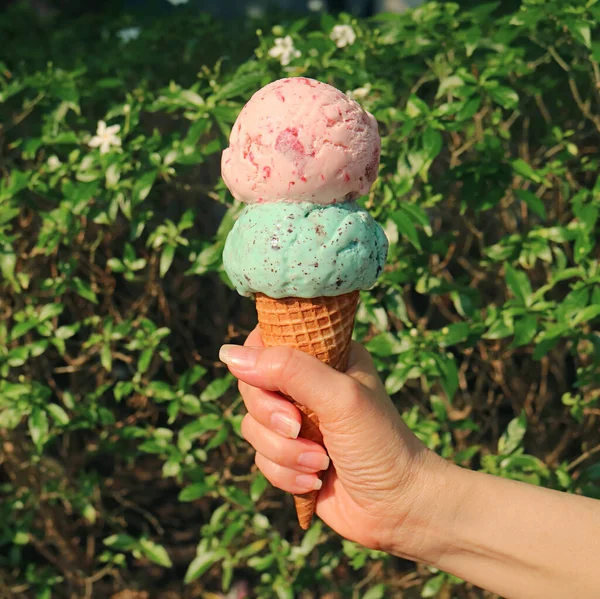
(515, 539)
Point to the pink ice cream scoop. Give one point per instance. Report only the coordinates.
(301, 140)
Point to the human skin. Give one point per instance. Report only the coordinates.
(387, 491)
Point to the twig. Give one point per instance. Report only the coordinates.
(584, 456)
(30, 106)
(583, 106)
(561, 63)
(543, 108)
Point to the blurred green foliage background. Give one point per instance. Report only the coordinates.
(121, 466)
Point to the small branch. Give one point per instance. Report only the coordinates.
(543, 108)
(596, 72)
(561, 63)
(583, 106)
(584, 456)
(28, 110)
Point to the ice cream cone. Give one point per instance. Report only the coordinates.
(321, 327)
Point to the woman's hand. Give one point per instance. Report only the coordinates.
(374, 493)
(385, 490)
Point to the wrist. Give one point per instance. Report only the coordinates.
(427, 529)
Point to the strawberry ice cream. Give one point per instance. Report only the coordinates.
(303, 141)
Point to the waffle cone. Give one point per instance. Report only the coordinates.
(321, 327)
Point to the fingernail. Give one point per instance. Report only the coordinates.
(308, 481)
(314, 460)
(285, 425)
(238, 356)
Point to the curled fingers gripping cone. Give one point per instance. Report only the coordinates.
(321, 327)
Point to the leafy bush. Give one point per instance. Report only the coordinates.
(122, 465)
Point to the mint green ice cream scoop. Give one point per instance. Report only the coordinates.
(285, 249)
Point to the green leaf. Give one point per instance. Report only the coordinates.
(588, 313)
(470, 108)
(11, 418)
(202, 562)
(237, 496)
(396, 379)
(21, 538)
(166, 259)
(219, 438)
(193, 492)
(251, 549)
(145, 360)
(106, 357)
(415, 107)
(433, 586)
(439, 408)
(525, 330)
(384, 345)
(38, 427)
(116, 265)
(449, 84)
(227, 574)
(258, 486)
(22, 328)
(505, 96)
(49, 311)
(191, 404)
(406, 227)
(207, 259)
(514, 434)
(155, 552)
(67, 331)
(143, 185)
(581, 31)
(17, 357)
(310, 540)
(239, 86)
(376, 592)
(432, 143)
(533, 202)
(7, 214)
(499, 329)
(448, 374)
(59, 415)
(215, 389)
(465, 456)
(283, 588)
(525, 170)
(84, 289)
(518, 283)
(454, 333)
(120, 542)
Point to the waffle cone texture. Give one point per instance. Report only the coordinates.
(321, 327)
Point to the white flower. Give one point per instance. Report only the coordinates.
(178, 2)
(343, 35)
(284, 50)
(54, 163)
(360, 93)
(315, 5)
(105, 137)
(128, 34)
